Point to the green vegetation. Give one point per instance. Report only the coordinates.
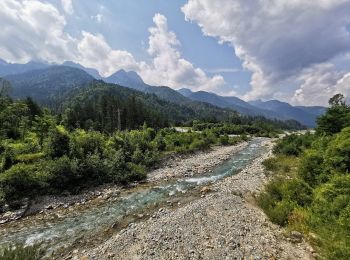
(310, 190)
(20, 252)
(104, 134)
(256, 126)
(42, 153)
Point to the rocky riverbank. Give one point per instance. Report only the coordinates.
(223, 224)
(172, 167)
(194, 164)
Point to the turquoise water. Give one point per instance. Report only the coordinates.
(65, 231)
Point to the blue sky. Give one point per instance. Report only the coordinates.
(293, 50)
(125, 26)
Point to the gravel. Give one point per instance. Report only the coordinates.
(222, 224)
(193, 164)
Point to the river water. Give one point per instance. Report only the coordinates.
(89, 223)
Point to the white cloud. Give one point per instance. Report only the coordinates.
(276, 39)
(321, 82)
(33, 30)
(169, 68)
(67, 6)
(95, 52)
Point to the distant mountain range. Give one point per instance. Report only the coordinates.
(41, 80)
(270, 109)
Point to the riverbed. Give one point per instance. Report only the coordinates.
(93, 231)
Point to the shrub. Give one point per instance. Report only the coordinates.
(63, 174)
(293, 144)
(298, 191)
(270, 164)
(21, 252)
(311, 167)
(135, 172)
(280, 213)
(224, 139)
(337, 156)
(281, 197)
(8, 159)
(29, 157)
(83, 143)
(22, 180)
(58, 142)
(199, 144)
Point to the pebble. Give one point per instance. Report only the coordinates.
(221, 225)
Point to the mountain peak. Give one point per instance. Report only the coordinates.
(185, 92)
(128, 79)
(91, 71)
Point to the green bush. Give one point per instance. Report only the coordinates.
(63, 174)
(276, 207)
(199, 144)
(58, 142)
(83, 143)
(224, 139)
(270, 164)
(294, 144)
(29, 157)
(280, 197)
(23, 180)
(337, 156)
(311, 167)
(20, 252)
(8, 159)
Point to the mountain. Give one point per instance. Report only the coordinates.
(47, 84)
(16, 68)
(228, 102)
(132, 80)
(270, 109)
(168, 94)
(185, 92)
(90, 97)
(91, 71)
(304, 115)
(128, 79)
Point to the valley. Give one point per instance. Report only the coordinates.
(157, 209)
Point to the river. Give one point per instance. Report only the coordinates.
(94, 224)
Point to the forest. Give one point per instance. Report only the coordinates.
(310, 187)
(103, 134)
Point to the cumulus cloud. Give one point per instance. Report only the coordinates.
(34, 30)
(95, 52)
(67, 6)
(168, 67)
(276, 40)
(319, 83)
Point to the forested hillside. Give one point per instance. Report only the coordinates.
(47, 85)
(104, 133)
(310, 190)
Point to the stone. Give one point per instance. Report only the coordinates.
(205, 189)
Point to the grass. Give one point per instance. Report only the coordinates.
(21, 252)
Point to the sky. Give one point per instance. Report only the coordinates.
(292, 50)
